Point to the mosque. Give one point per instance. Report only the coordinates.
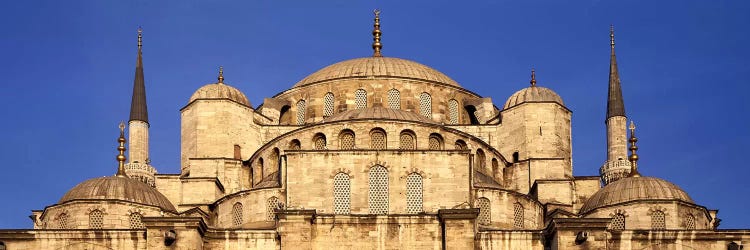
(375, 153)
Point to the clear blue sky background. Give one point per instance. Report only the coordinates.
(67, 72)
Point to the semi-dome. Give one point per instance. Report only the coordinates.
(533, 94)
(385, 67)
(118, 188)
(378, 113)
(219, 90)
(635, 189)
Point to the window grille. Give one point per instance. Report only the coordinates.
(461, 145)
(394, 99)
(435, 142)
(518, 215)
(407, 141)
(320, 142)
(271, 204)
(295, 145)
(378, 139)
(301, 108)
(328, 104)
(378, 198)
(237, 214)
(618, 222)
(62, 221)
(690, 222)
(96, 219)
(658, 221)
(452, 112)
(425, 105)
(341, 194)
(346, 140)
(360, 98)
(484, 211)
(136, 221)
(413, 193)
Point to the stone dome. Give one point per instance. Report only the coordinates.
(533, 94)
(378, 113)
(635, 189)
(215, 91)
(385, 67)
(118, 188)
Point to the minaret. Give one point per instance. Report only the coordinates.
(617, 165)
(139, 165)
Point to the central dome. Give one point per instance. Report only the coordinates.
(387, 67)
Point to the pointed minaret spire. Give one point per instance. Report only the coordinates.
(533, 77)
(138, 110)
(121, 156)
(376, 33)
(633, 156)
(221, 75)
(615, 104)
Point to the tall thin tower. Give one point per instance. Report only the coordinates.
(617, 165)
(139, 166)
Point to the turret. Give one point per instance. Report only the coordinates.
(617, 165)
(139, 166)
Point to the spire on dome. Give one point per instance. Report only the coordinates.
(376, 33)
(633, 156)
(121, 156)
(533, 77)
(221, 75)
(615, 103)
(138, 108)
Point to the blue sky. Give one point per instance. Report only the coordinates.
(68, 71)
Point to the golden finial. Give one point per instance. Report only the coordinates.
(376, 45)
(140, 37)
(121, 148)
(612, 35)
(633, 156)
(533, 77)
(221, 74)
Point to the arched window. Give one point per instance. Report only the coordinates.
(360, 98)
(341, 194)
(275, 158)
(96, 219)
(271, 205)
(328, 104)
(515, 157)
(690, 222)
(452, 111)
(413, 193)
(378, 139)
(136, 221)
(425, 105)
(481, 161)
(378, 197)
(237, 152)
(618, 222)
(517, 215)
(63, 221)
(461, 145)
(295, 145)
(485, 211)
(284, 117)
(394, 99)
(658, 221)
(261, 168)
(472, 112)
(495, 167)
(237, 214)
(435, 142)
(319, 140)
(407, 140)
(301, 108)
(346, 139)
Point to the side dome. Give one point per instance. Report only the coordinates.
(635, 189)
(378, 113)
(215, 91)
(385, 67)
(118, 188)
(533, 94)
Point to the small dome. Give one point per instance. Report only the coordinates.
(215, 91)
(635, 189)
(533, 94)
(378, 113)
(118, 188)
(385, 67)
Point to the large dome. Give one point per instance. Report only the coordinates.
(215, 91)
(632, 189)
(378, 113)
(533, 94)
(377, 67)
(118, 188)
